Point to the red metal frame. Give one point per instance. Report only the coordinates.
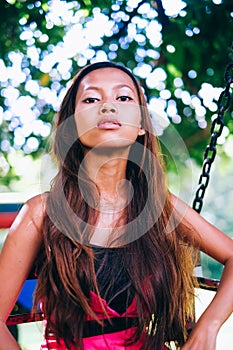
(6, 219)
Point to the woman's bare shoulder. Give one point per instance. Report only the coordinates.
(33, 211)
(20, 250)
(38, 202)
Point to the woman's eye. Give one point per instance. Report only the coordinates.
(124, 98)
(91, 100)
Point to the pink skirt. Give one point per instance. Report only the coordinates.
(111, 341)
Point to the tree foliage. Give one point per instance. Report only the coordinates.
(178, 57)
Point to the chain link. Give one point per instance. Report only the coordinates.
(215, 131)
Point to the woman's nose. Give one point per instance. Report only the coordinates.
(108, 108)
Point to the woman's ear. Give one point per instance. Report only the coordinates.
(141, 131)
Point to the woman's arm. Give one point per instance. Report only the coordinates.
(219, 246)
(16, 259)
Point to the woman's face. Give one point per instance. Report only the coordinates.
(107, 112)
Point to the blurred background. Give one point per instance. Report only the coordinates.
(177, 49)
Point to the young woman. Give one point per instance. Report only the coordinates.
(113, 247)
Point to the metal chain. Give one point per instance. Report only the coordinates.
(215, 131)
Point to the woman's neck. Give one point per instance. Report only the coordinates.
(108, 172)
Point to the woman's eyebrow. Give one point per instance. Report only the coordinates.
(117, 86)
(124, 86)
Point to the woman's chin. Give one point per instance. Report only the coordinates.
(113, 144)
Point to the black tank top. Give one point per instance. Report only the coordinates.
(113, 279)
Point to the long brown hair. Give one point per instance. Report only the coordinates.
(155, 257)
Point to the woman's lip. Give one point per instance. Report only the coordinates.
(108, 124)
